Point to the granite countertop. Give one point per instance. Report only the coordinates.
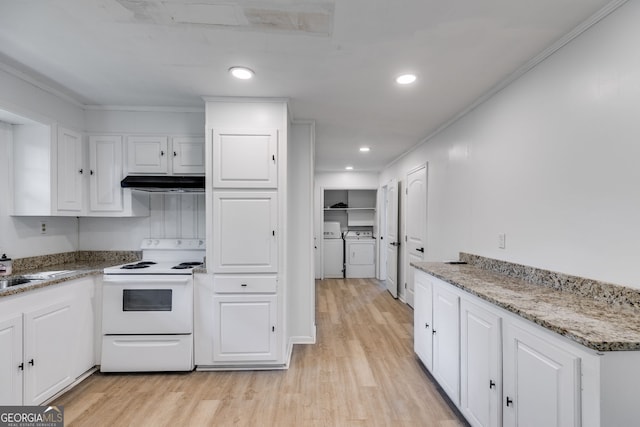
(595, 324)
(73, 270)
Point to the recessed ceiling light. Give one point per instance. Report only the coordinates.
(406, 79)
(365, 149)
(242, 73)
(349, 168)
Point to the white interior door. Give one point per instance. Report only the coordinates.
(391, 236)
(416, 224)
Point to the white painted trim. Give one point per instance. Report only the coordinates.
(240, 99)
(78, 380)
(528, 66)
(39, 84)
(144, 108)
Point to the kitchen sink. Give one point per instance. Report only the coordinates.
(47, 275)
(13, 281)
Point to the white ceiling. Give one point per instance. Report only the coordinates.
(335, 60)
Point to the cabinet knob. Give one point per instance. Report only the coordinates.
(21, 366)
(31, 362)
(434, 332)
(426, 325)
(244, 285)
(175, 154)
(81, 171)
(509, 401)
(420, 250)
(492, 384)
(161, 153)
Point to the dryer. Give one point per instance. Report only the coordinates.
(360, 254)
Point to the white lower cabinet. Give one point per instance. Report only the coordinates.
(245, 328)
(48, 347)
(423, 320)
(236, 321)
(46, 341)
(480, 365)
(446, 340)
(541, 381)
(11, 360)
(499, 369)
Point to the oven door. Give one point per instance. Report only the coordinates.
(147, 304)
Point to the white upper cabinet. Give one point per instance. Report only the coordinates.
(244, 224)
(105, 173)
(48, 170)
(188, 155)
(70, 171)
(161, 155)
(147, 154)
(245, 159)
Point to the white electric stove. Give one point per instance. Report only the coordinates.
(147, 308)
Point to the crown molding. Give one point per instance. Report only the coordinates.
(144, 108)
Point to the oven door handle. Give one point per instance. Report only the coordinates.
(134, 280)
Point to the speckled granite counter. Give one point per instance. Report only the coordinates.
(78, 265)
(595, 323)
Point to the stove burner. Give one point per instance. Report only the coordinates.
(138, 265)
(185, 265)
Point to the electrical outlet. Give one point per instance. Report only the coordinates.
(502, 240)
(43, 227)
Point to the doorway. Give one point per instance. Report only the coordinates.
(415, 224)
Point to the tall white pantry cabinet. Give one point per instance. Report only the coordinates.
(240, 315)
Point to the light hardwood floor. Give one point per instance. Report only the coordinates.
(361, 372)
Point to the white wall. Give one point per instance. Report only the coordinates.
(301, 288)
(551, 161)
(20, 236)
(335, 181)
(169, 215)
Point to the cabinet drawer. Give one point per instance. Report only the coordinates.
(245, 284)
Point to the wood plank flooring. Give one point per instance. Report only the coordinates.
(361, 372)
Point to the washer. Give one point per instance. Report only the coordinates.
(333, 251)
(360, 254)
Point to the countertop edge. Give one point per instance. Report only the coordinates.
(600, 346)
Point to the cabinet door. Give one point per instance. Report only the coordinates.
(147, 154)
(187, 155)
(245, 159)
(422, 319)
(11, 365)
(480, 366)
(446, 341)
(541, 381)
(245, 328)
(105, 169)
(245, 228)
(48, 348)
(70, 172)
